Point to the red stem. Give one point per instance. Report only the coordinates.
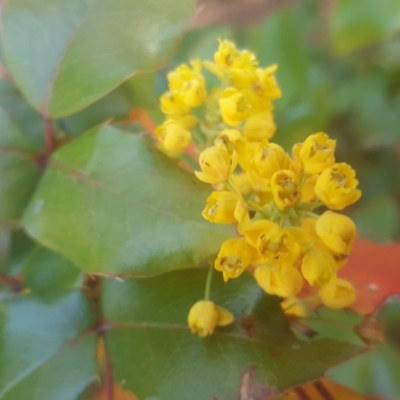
(49, 136)
(108, 376)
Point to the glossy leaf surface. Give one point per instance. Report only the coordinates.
(71, 53)
(38, 361)
(128, 208)
(152, 350)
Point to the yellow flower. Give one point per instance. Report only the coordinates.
(242, 182)
(205, 316)
(337, 232)
(285, 188)
(227, 138)
(316, 153)
(216, 165)
(318, 268)
(294, 306)
(278, 246)
(173, 137)
(266, 85)
(172, 104)
(256, 229)
(309, 226)
(241, 215)
(232, 64)
(245, 151)
(234, 106)
(337, 294)
(189, 83)
(260, 126)
(307, 191)
(228, 56)
(270, 157)
(220, 207)
(284, 282)
(336, 187)
(233, 258)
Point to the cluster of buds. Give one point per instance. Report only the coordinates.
(269, 194)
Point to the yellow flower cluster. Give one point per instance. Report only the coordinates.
(270, 194)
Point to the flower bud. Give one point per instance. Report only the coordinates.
(220, 207)
(234, 107)
(173, 137)
(204, 316)
(318, 268)
(216, 165)
(285, 282)
(260, 126)
(337, 232)
(337, 294)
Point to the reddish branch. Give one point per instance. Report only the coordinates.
(108, 376)
(49, 136)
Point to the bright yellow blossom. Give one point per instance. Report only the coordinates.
(205, 316)
(256, 229)
(245, 151)
(338, 293)
(227, 138)
(216, 165)
(242, 182)
(266, 85)
(307, 191)
(316, 153)
(233, 258)
(172, 104)
(173, 137)
(337, 232)
(189, 83)
(234, 107)
(259, 126)
(336, 187)
(285, 188)
(241, 214)
(220, 207)
(267, 193)
(270, 157)
(309, 226)
(234, 65)
(277, 246)
(284, 282)
(318, 268)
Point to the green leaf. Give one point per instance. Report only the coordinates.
(113, 106)
(357, 23)
(64, 55)
(378, 219)
(129, 209)
(46, 272)
(21, 112)
(38, 360)
(374, 374)
(16, 251)
(152, 350)
(19, 170)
